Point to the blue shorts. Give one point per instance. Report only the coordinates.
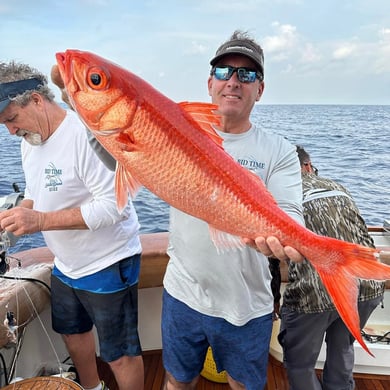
(240, 350)
(115, 315)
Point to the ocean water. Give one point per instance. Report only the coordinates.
(350, 144)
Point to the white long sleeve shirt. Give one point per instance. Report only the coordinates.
(64, 172)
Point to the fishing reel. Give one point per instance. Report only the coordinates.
(8, 239)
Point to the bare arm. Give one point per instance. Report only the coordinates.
(24, 220)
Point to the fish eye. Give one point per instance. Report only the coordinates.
(97, 78)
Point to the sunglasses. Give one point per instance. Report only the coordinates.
(244, 75)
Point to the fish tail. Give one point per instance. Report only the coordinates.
(344, 290)
(340, 264)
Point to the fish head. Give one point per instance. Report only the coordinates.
(99, 90)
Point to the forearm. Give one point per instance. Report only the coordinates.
(70, 219)
(24, 220)
(57, 220)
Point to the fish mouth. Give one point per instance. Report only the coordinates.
(71, 85)
(65, 67)
(65, 64)
(61, 59)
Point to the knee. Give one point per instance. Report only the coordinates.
(172, 384)
(83, 341)
(125, 361)
(235, 385)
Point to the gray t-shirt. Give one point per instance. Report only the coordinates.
(234, 285)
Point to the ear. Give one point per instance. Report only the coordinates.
(210, 84)
(36, 98)
(260, 91)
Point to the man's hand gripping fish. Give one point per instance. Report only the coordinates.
(173, 150)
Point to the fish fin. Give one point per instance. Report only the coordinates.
(224, 241)
(204, 114)
(124, 183)
(125, 139)
(344, 290)
(126, 142)
(340, 264)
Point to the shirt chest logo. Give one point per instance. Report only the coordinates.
(53, 178)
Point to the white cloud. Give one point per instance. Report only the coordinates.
(382, 60)
(170, 43)
(344, 51)
(289, 48)
(384, 35)
(196, 48)
(285, 39)
(310, 54)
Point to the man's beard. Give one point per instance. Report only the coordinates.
(34, 139)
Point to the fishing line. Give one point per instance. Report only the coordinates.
(26, 280)
(17, 247)
(4, 267)
(10, 320)
(377, 338)
(45, 331)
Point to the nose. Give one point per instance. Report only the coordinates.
(234, 79)
(11, 129)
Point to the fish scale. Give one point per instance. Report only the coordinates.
(173, 150)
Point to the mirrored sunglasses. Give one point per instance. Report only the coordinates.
(244, 75)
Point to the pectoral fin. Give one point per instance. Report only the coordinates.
(124, 183)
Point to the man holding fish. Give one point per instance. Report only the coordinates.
(216, 297)
(70, 198)
(213, 295)
(224, 299)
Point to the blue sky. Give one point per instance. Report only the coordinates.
(316, 51)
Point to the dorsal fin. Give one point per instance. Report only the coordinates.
(204, 114)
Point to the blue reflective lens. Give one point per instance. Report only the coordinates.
(244, 75)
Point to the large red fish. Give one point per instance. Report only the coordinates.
(172, 150)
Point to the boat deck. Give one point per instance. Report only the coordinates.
(277, 379)
(154, 261)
